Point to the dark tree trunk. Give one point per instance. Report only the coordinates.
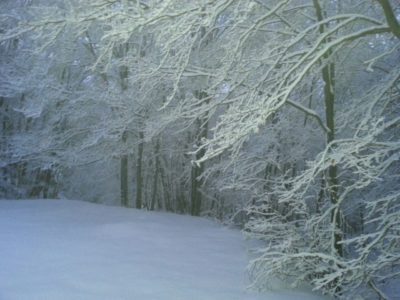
(328, 73)
(156, 174)
(124, 176)
(139, 178)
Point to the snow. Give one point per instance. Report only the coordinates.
(64, 249)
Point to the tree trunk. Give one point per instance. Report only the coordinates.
(123, 76)
(328, 73)
(156, 174)
(195, 194)
(124, 176)
(167, 187)
(197, 170)
(139, 178)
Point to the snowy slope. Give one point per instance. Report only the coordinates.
(72, 250)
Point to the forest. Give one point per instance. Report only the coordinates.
(281, 117)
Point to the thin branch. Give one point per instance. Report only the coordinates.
(310, 113)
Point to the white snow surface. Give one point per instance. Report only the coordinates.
(72, 250)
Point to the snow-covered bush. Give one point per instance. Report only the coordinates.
(295, 221)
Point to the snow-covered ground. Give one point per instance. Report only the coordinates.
(72, 250)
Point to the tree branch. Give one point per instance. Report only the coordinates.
(390, 17)
(310, 113)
